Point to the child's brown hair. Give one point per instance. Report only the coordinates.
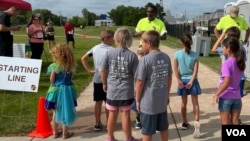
(107, 33)
(233, 32)
(153, 37)
(186, 40)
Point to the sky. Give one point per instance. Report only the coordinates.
(69, 8)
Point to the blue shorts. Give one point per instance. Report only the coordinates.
(134, 108)
(194, 90)
(242, 83)
(151, 123)
(229, 104)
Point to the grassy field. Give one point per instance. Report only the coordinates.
(18, 109)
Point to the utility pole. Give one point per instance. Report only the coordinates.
(161, 3)
(162, 14)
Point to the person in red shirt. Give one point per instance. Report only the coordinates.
(69, 32)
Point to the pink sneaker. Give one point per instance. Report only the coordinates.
(109, 139)
(133, 139)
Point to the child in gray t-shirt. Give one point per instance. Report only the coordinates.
(153, 81)
(97, 52)
(117, 73)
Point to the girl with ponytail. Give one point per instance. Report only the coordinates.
(228, 94)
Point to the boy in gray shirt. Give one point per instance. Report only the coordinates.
(153, 81)
(98, 52)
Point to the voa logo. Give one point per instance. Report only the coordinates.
(236, 132)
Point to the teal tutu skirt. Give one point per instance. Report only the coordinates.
(63, 100)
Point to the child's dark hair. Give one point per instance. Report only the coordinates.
(233, 32)
(151, 5)
(234, 45)
(186, 39)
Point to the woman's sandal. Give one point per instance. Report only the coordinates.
(58, 134)
(68, 135)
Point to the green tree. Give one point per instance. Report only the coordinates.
(90, 17)
(160, 12)
(82, 21)
(19, 19)
(47, 15)
(44, 13)
(22, 18)
(74, 21)
(85, 14)
(123, 15)
(136, 13)
(118, 14)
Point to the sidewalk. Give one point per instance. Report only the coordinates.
(209, 116)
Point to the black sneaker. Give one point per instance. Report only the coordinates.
(98, 127)
(184, 126)
(138, 125)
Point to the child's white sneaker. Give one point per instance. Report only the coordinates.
(196, 129)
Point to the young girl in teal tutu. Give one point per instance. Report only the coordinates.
(61, 96)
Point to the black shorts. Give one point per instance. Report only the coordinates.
(99, 94)
(50, 37)
(70, 37)
(6, 46)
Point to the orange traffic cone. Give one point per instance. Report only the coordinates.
(43, 126)
(83, 35)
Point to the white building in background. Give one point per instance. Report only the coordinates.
(104, 22)
(169, 18)
(209, 18)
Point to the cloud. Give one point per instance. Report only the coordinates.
(194, 8)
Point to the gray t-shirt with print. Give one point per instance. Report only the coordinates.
(121, 64)
(154, 69)
(98, 52)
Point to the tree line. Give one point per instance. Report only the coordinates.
(121, 15)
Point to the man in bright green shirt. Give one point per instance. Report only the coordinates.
(151, 23)
(230, 20)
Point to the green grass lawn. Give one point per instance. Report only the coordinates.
(18, 110)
